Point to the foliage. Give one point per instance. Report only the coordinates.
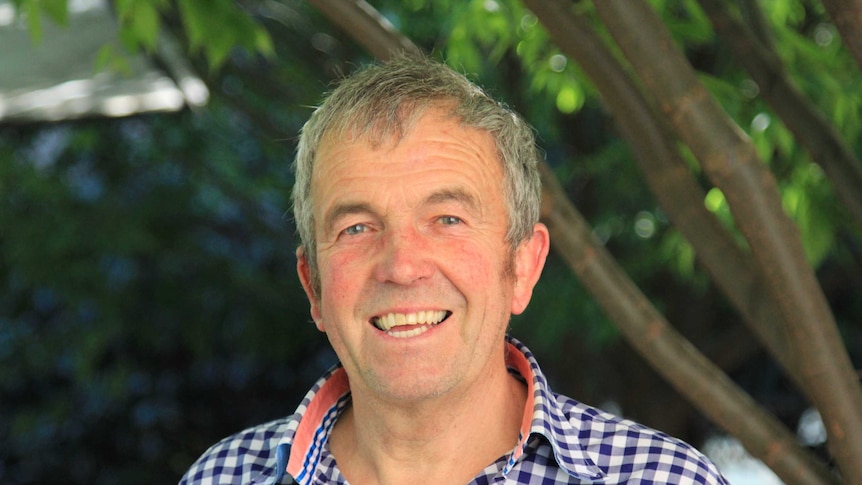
(56, 10)
(214, 27)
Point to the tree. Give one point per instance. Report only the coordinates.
(685, 130)
(793, 300)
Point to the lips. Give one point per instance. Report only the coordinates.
(409, 324)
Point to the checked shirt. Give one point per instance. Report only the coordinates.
(561, 442)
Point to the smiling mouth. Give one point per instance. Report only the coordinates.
(404, 325)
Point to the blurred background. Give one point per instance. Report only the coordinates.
(148, 299)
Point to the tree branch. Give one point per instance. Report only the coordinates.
(681, 364)
(731, 162)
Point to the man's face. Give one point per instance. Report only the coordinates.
(412, 234)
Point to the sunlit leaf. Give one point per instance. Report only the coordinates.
(569, 99)
(714, 200)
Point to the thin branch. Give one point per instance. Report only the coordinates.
(813, 130)
(366, 25)
(731, 161)
(753, 15)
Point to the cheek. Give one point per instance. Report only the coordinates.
(478, 265)
(339, 282)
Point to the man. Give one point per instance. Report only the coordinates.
(417, 203)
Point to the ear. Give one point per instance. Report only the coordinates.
(304, 271)
(529, 260)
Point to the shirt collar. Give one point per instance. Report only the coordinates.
(547, 418)
(315, 418)
(543, 416)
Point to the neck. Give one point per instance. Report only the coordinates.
(389, 443)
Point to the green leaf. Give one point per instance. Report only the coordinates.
(34, 19)
(218, 50)
(263, 42)
(129, 40)
(109, 59)
(145, 22)
(218, 26)
(807, 199)
(124, 8)
(57, 10)
(194, 21)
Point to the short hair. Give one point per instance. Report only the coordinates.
(381, 102)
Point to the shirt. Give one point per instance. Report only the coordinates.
(561, 441)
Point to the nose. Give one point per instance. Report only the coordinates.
(404, 257)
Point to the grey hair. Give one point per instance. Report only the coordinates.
(380, 102)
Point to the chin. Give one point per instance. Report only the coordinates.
(415, 387)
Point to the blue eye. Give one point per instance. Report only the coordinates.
(450, 220)
(355, 229)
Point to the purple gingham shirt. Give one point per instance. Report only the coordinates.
(561, 441)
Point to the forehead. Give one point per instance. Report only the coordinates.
(435, 144)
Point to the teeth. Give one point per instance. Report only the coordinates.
(390, 320)
(410, 333)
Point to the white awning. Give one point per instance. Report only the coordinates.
(55, 78)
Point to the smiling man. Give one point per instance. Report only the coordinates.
(417, 203)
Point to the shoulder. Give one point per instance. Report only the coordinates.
(627, 451)
(245, 457)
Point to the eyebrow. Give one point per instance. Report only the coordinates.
(342, 210)
(453, 195)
